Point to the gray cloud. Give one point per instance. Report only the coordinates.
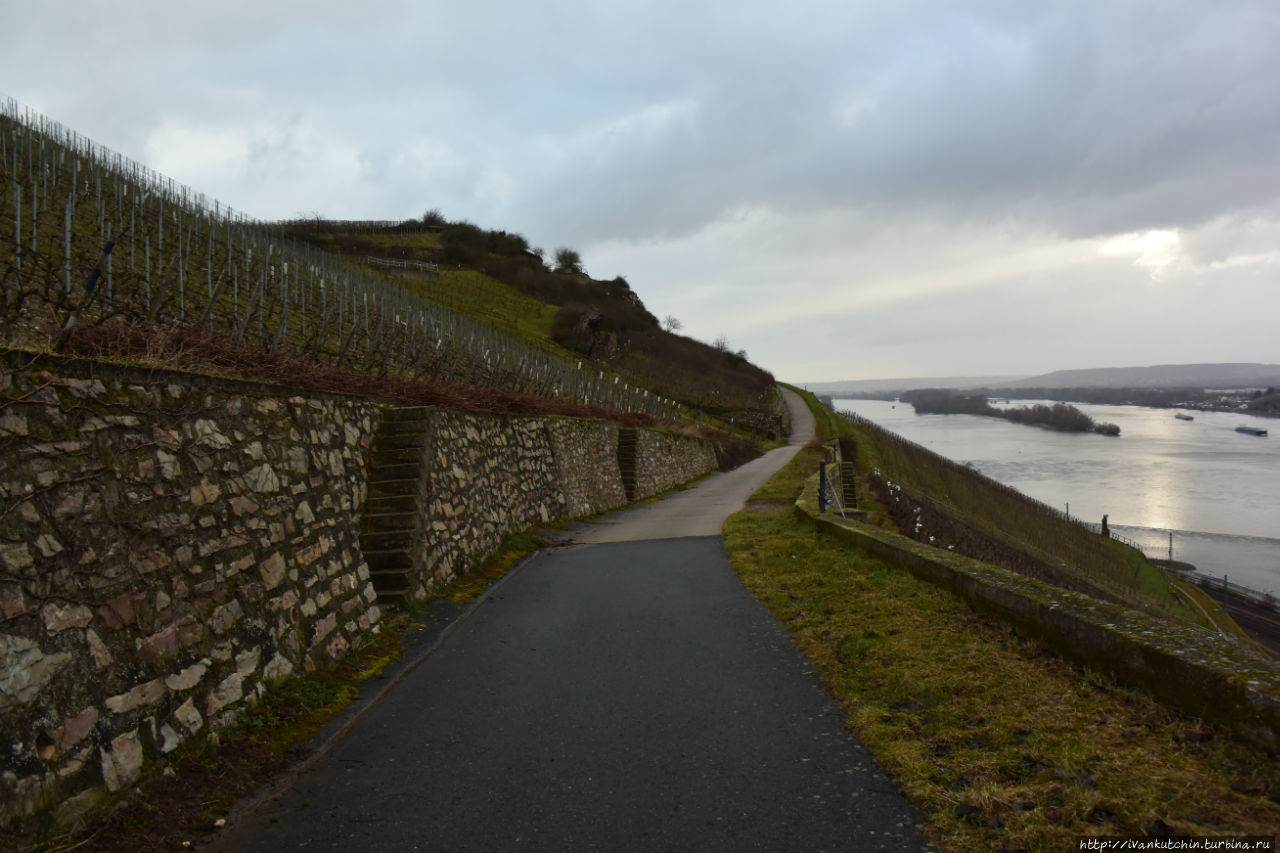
(816, 150)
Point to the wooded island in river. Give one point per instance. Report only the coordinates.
(1059, 416)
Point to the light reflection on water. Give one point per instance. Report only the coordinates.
(1218, 490)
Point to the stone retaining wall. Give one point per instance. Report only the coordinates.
(489, 476)
(170, 544)
(578, 447)
(665, 460)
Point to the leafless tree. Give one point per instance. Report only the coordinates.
(568, 260)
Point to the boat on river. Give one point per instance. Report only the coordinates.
(1251, 430)
(1182, 416)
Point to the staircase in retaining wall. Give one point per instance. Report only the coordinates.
(627, 460)
(391, 521)
(848, 485)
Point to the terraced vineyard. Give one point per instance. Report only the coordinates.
(1002, 524)
(91, 240)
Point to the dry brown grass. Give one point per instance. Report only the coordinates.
(197, 351)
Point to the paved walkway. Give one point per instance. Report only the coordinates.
(620, 696)
(699, 511)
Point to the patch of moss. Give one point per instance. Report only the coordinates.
(513, 549)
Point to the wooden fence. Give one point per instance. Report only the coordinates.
(399, 264)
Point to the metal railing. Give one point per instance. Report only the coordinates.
(830, 488)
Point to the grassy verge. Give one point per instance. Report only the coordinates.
(1002, 745)
(785, 485)
(513, 549)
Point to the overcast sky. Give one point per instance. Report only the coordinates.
(847, 190)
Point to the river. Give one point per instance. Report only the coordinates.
(1216, 490)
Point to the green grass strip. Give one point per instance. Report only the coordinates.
(1001, 744)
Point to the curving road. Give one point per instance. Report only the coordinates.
(627, 695)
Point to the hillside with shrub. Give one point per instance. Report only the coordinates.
(498, 277)
(102, 257)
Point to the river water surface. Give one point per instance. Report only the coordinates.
(1216, 490)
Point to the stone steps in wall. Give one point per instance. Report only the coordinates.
(627, 460)
(382, 540)
(411, 437)
(395, 471)
(392, 488)
(377, 504)
(382, 457)
(410, 419)
(388, 560)
(392, 584)
(408, 413)
(395, 597)
(389, 521)
(389, 580)
(848, 484)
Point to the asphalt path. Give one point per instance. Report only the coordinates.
(622, 696)
(699, 511)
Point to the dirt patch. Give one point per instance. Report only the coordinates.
(184, 807)
(198, 351)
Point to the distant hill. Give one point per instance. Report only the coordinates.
(1199, 376)
(1195, 376)
(872, 386)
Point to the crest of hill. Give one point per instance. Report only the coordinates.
(495, 277)
(1179, 376)
(854, 387)
(1198, 376)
